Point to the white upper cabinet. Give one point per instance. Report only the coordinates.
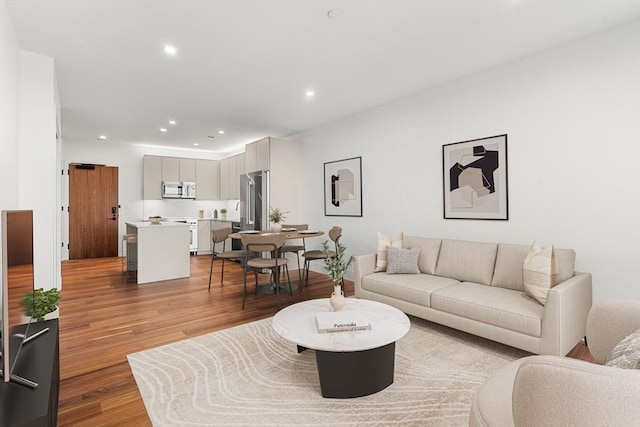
(257, 155)
(152, 178)
(207, 179)
(224, 179)
(187, 170)
(170, 169)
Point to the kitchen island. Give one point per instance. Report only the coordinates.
(162, 251)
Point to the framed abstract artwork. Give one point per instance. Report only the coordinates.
(475, 179)
(343, 187)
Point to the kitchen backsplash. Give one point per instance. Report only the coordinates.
(189, 208)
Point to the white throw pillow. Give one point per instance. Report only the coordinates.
(539, 272)
(383, 243)
(402, 261)
(626, 354)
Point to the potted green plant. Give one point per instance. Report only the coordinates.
(336, 266)
(223, 213)
(39, 303)
(277, 217)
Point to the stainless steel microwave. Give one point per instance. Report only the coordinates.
(178, 190)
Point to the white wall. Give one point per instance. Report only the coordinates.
(28, 149)
(38, 163)
(572, 116)
(9, 65)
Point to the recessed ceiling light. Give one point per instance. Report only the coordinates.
(102, 138)
(163, 130)
(221, 132)
(172, 122)
(332, 14)
(196, 144)
(310, 93)
(170, 50)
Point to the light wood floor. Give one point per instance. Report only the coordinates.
(103, 318)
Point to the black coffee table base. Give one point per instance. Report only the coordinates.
(345, 375)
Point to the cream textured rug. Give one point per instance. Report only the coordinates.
(248, 375)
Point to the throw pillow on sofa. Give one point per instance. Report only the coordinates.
(626, 354)
(539, 272)
(383, 243)
(402, 261)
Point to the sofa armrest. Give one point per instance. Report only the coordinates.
(558, 391)
(565, 315)
(608, 323)
(363, 265)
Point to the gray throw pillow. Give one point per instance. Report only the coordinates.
(626, 354)
(402, 261)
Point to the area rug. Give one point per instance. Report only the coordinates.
(248, 375)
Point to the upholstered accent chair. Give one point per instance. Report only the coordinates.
(543, 391)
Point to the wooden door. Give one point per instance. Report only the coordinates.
(93, 211)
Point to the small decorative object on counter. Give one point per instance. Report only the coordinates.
(215, 214)
(336, 267)
(277, 217)
(223, 214)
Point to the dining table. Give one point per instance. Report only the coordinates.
(290, 233)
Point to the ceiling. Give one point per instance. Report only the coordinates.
(244, 66)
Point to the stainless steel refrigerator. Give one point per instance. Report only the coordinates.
(254, 201)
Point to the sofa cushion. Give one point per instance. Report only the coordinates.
(402, 261)
(509, 261)
(539, 272)
(500, 307)
(467, 261)
(383, 243)
(415, 288)
(429, 249)
(626, 354)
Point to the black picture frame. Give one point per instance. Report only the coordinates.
(475, 179)
(343, 187)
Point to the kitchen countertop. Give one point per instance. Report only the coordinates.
(219, 219)
(147, 224)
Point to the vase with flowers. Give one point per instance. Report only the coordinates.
(277, 217)
(336, 266)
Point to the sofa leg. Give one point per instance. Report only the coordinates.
(585, 341)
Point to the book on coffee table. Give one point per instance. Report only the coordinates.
(341, 321)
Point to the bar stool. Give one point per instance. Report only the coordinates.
(128, 239)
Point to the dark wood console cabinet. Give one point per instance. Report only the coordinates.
(39, 362)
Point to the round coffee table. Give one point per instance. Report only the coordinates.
(350, 364)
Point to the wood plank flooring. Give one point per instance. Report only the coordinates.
(104, 316)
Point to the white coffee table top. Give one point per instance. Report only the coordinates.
(297, 324)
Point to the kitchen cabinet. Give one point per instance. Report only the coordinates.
(178, 169)
(152, 178)
(206, 179)
(236, 168)
(224, 179)
(188, 170)
(171, 169)
(204, 236)
(257, 155)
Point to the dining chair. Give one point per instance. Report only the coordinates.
(293, 248)
(263, 253)
(334, 234)
(220, 236)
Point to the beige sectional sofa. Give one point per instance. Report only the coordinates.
(477, 288)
